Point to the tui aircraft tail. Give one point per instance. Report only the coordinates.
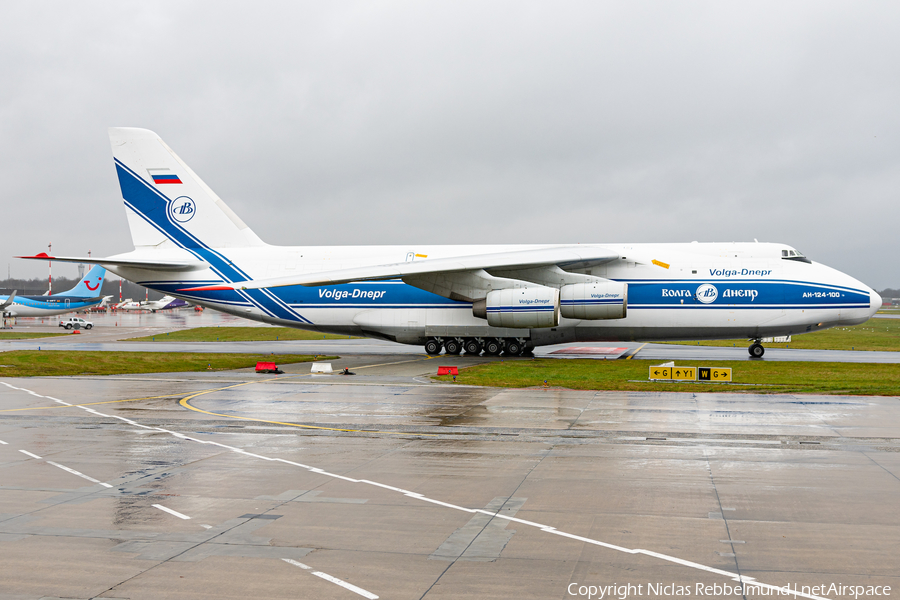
(167, 205)
(90, 284)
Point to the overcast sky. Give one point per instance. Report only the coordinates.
(428, 122)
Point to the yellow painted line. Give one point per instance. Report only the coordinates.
(185, 402)
(632, 355)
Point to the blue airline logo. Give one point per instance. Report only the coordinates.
(707, 293)
(183, 209)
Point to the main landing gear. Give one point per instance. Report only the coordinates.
(432, 347)
(475, 346)
(756, 349)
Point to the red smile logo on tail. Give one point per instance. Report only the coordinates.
(89, 285)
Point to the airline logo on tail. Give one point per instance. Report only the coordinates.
(161, 176)
(183, 209)
(87, 282)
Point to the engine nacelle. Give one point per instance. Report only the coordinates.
(525, 307)
(607, 300)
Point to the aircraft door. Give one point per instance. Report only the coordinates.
(67, 303)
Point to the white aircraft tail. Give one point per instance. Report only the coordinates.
(167, 204)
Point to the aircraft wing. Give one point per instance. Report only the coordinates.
(167, 265)
(565, 257)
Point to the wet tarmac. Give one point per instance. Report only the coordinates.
(110, 329)
(382, 484)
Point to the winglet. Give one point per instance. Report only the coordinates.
(10, 300)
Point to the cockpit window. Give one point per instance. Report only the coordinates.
(794, 255)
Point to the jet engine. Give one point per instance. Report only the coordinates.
(606, 300)
(522, 307)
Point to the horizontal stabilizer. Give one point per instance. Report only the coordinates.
(577, 257)
(150, 265)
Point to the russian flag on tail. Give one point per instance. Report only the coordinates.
(161, 176)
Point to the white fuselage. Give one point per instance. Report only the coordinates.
(749, 290)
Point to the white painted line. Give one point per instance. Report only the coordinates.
(206, 526)
(29, 454)
(545, 528)
(2, 442)
(73, 471)
(170, 511)
(327, 577)
(105, 485)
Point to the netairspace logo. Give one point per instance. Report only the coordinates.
(623, 591)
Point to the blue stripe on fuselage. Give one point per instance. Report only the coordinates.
(642, 295)
(745, 294)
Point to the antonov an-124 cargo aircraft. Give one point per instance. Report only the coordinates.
(490, 299)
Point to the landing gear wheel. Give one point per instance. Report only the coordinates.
(433, 347)
(472, 347)
(756, 350)
(493, 347)
(513, 348)
(452, 347)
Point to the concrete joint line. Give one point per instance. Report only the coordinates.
(736, 577)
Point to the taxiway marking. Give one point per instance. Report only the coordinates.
(80, 474)
(185, 402)
(63, 405)
(170, 511)
(737, 577)
(328, 577)
(633, 354)
(30, 454)
(2, 442)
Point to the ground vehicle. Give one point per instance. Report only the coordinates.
(75, 323)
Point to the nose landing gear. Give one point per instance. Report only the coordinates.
(756, 349)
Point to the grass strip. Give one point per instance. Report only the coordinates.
(33, 363)
(238, 334)
(872, 379)
(23, 335)
(874, 334)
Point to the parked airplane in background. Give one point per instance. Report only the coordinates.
(189, 244)
(128, 304)
(84, 295)
(164, 303)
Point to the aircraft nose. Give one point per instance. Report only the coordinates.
(875, 301)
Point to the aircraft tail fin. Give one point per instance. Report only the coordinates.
(90, 284)
(167, 204)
